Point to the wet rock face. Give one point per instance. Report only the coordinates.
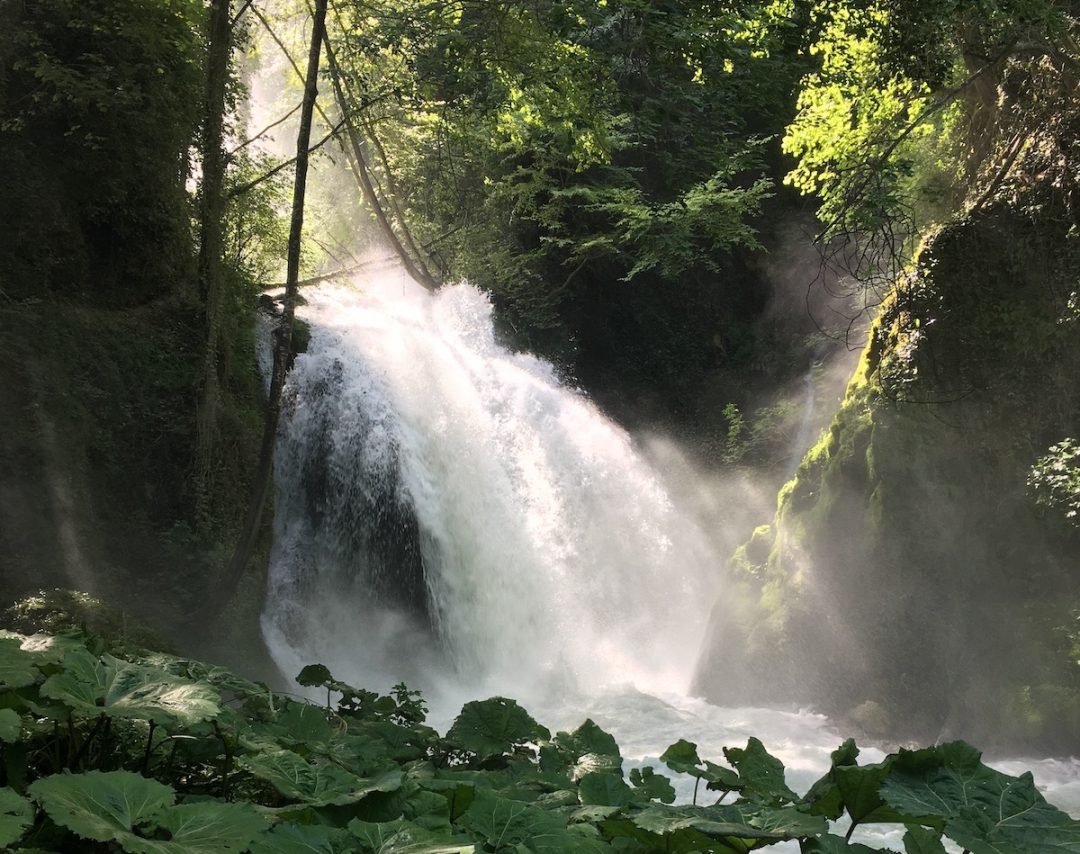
(356, 519)
(908, 565)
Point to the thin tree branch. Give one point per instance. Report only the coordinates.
(250, 185)
(240, 14)
(266, 129)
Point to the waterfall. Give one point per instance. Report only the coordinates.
(450, 511)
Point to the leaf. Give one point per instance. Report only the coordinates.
(403, 837)
(654, 786)
(314, 676)
(16, 814)
(302, 724)
(761, 775)
(206, 827)
(606, 790)
(317, 784)
(494, 727)
(985, 811)
(859, 787)
(682, 757)
(922, 840)
(102, 805)
(45, 649)
(502, 822)
(742, 821)
(120, 689)
(10, 725)
(824, 797)
(16, 665)
(829, 844)
(588, 738)
(293, 838)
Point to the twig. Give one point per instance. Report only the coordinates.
(250, 185)
(266, 130)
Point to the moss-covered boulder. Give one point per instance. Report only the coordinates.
(908, 568)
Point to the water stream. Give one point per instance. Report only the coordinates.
(451, 514)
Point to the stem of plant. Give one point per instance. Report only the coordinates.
(697, 782)
(149, 746)
(850, 830)
(87, 741)
(172, 757)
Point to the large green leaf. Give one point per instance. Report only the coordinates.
(589, 738)
(223, 680)
(682, 757)
(494, 727)
(761, 775)
(102, 805)
(829, 844)
(503, 823)
(16, 814)
(317, 784)
(202, 828)
(859, 787)
(824, 796)
(985, 811)
(922, 840)
(314, 676)
(10, 725)
(653, 786)
(304, 723)
(293, 838)
(46, 649)
(16, 664)
(404, 837)
(740, 821)
(626, 835)
(109, 686)
(585, 750)
(606, 790)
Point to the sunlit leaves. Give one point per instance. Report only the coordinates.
(315, 783)
(16, 665)
(203, 828)
(984, 810)
(118, 688)
(356, 778)
(103, 806)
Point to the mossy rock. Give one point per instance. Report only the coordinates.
(909, 567)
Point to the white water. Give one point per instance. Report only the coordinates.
(451, 514)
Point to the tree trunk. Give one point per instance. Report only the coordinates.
(354, 154)
(211, 248)
(363, 176)
(283, 334)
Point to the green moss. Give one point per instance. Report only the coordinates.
(906, 538)
(97, 438)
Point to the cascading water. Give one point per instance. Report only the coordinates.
(449, 513)
(448, 506)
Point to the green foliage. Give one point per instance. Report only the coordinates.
(547, 151)
(1055, 479)
(272, 775)
(102, 100)
(495, 727)
(913, 105)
